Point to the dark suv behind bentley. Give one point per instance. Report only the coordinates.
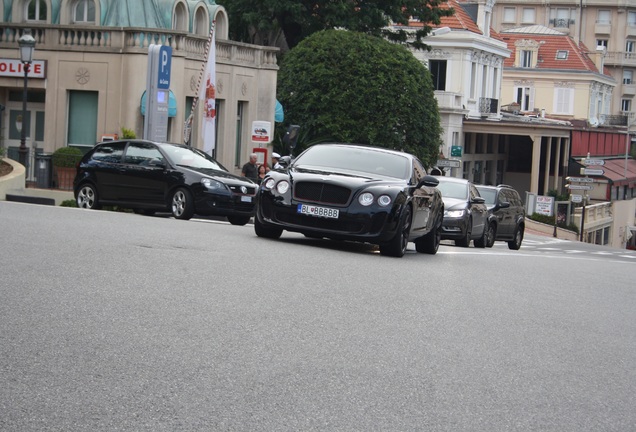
(506, 216)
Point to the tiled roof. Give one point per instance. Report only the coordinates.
(460, 20)
(550, 45)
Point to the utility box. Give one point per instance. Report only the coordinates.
(43, 171)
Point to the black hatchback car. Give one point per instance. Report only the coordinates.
(352, 192)
(507, 214)
(148, 176)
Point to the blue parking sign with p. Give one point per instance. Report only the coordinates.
(163, 73)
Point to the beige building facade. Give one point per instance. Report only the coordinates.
(90, 78)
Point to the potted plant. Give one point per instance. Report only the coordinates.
(65, 160)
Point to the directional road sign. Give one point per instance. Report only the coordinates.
(592, 171)
(575, 198)
(593, 162)
(579, 179)
(579, 187)
(451, 163)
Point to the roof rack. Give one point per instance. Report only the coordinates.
(505, 185)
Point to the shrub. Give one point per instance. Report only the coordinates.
(128, 133)
(549, 220)
(66, 157)
(68, 203)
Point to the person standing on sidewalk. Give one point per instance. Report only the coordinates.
(250, 169)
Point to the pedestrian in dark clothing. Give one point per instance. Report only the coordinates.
(250, 169)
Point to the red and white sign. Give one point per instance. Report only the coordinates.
(15, 68)
(261, 131)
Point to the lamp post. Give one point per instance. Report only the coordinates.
(27, 46)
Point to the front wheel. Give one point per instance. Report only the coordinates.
(182, 204)
(515, 244)
(487, 239)
(87, 197)
(264, 231)
(397, 246)
(430, 242)
(239, 220)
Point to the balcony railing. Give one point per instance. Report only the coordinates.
(613, 120)
(488, 106)
(132, 40)
(561, 22)
(620, 58)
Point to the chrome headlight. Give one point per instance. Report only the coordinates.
(454, 213)
(282, 187)
(269, 183)
(366, 199)
(212, 184)
(384, 200)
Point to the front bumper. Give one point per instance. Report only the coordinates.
(454, 228)
(211, 204)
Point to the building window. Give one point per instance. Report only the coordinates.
(629, 46)
(604, 17)
(562, 18)
(528, 16)
(180, 18)
(626, 105)
(200, 23)
(524, 96)
(628, 76)
(526, 59)
(438, 73)
(473, 80)
(509, 15)
(601, 43)
(84, 11)
(631, 18)
(562, 55)
(82, 118)
(240, 110)
(564, 101)
(36, 10)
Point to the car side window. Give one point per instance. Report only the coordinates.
(418, 171)
(474, 193)
(111, 152)
(141, 154)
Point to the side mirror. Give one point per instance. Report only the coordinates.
(504, 204)
(157, 163)
(478, 200)
(284, 161)
(429, 181)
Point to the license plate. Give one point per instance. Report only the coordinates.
(312, 210)
(246, 198)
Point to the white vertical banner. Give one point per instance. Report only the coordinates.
(208, 97)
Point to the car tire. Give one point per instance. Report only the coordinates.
(430, 242)
(87, 197)
(397, 246)
(491, 242)
(266, 232)
(487, 238)
(515, 244)
(182, 204)
(239, 220)
(465, 241)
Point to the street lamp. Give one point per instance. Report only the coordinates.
(27, 46)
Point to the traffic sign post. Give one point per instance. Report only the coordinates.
(579, 179)
(593, 162)
(448, 163)
(579, 187)
(592, 171)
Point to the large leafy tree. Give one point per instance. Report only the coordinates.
(285, 23)
(351, 87)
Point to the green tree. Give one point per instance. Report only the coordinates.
(361, 89)
(284, 23)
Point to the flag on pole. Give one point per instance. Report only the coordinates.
(208, 97)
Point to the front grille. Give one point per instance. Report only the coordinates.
(323, 193)
(251, 190)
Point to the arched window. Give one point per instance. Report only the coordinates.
(84, 11)
(36, 10)
(201, 26)
(180, 18)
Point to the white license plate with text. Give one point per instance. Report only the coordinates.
(312, 210)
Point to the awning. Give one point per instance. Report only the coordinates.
(172, 104)
(620, 171)
(279, 115)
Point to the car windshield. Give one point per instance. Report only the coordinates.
(365, 160)
(453, 189)
(189, 157)
(490, 195)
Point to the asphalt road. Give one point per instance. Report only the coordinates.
(112, 321)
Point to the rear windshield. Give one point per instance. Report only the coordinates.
(490, 195)
(453, 190)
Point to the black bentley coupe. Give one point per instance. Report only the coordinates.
(353, 192)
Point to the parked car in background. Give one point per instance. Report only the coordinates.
(464, 212)
(148, 177)
(507, 214)
(357, 193)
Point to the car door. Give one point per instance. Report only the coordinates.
(105, 165)
(144, 174)
(506, 224)
(422, 201)
(478, 210)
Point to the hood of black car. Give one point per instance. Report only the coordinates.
(218, 175)
(454, 203)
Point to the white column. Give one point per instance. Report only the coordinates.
(536, 162)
